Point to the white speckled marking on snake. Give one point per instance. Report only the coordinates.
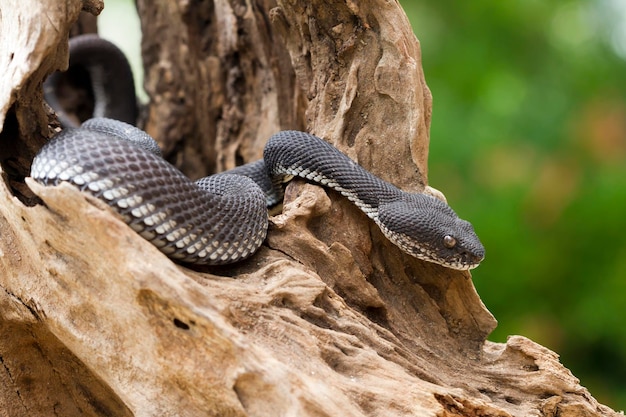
(223, 219)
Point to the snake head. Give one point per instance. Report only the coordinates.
(428, 229)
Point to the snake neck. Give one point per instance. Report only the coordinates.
(299, 154)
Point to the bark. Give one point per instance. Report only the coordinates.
(327, 319)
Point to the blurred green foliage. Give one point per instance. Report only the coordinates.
(528, 142)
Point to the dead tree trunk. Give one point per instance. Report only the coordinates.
(328, 319)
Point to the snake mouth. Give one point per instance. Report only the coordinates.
(460, 262)
(458, 259)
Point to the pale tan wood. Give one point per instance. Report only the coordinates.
(328, 319)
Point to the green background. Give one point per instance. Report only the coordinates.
(528, 142)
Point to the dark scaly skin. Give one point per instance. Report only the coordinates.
(202, 222)
(182, 219)
(222, 219)
(110, 78)
(419, 224)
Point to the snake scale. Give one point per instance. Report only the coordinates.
(223, 218)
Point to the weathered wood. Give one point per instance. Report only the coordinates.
(220, 80)
(327, 319)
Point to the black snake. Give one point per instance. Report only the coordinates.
(223, 218)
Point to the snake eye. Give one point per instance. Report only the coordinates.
(449, 242)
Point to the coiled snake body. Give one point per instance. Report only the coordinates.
(223, 218)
